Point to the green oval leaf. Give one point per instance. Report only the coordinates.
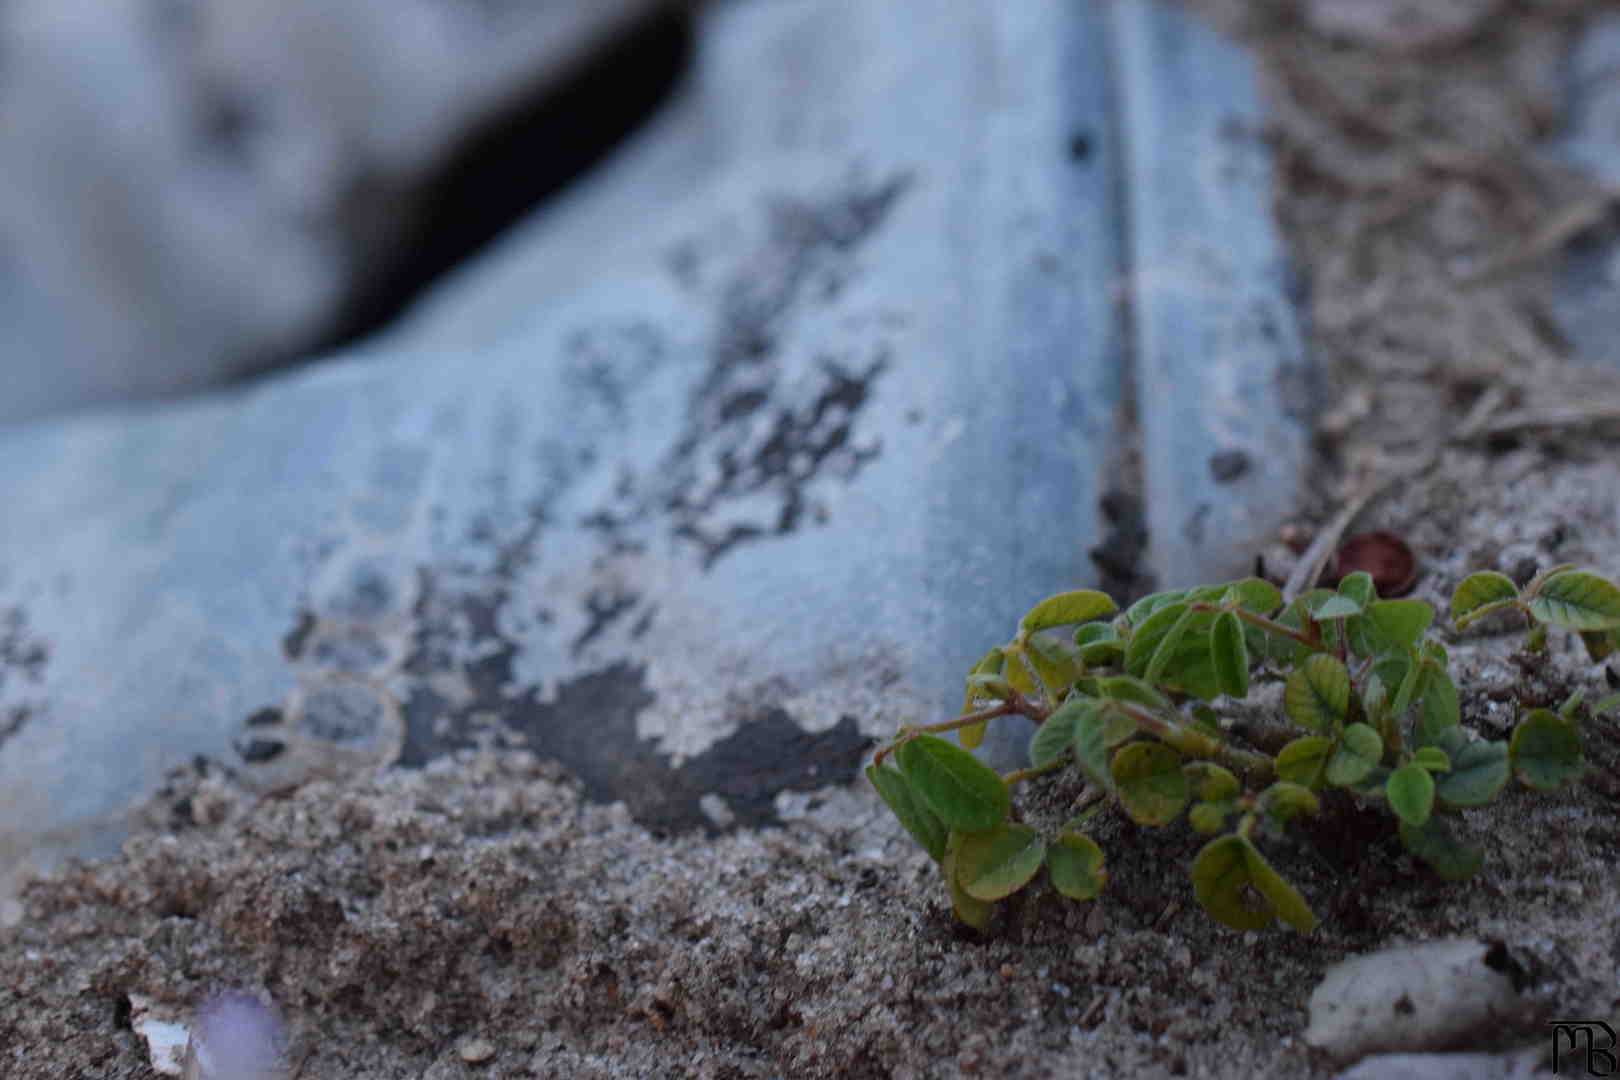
(1440, 710)
(1357, 587)
(1137, 692)
(1600, 644)
(1095, 733)
(997, 863)
(962, 791)
(1096, 654)
(1151, 785)
(1410, 791)
(1391, 626)
(1285, 900)
(1149, 635)
(1209, 818)
(1055, 737)
(1302, 760)
(1577, 600)
(1187, 664)
(1477, 594)
(1433, 759)
(1546, 750)
(1372, 783)
(1145, 608)
(1279, 647)
(1356, 755)
(1285, 801)
(990, 663)
(1436, 844)
(1167, 649)
(1057, 663)
(1019, 673)
(1074, 862)
(1096, 633)
(1535, 582)
(1220, 876)
(1254, 594)
(1391, 669)
(1099, 645)
(969, 737)
(969, 909)
(1481, 588)
(1317, 693)
(1229, 653)
(1081, 605)
(1407, 691)
(1206, 720)
(984, 685)
(1333, 606)
(924, 827)
(1375, 703)
(1479, 769)
(1211, 781)
(984, 680)
(1238, 887)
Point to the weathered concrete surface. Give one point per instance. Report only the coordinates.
(721, 465)
(1224, 391)
(194, 189)
(1583, 305)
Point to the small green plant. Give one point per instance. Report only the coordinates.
(1127, 698)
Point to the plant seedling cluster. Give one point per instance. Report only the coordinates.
(1127, 700)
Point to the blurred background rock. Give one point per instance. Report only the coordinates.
(196, 190)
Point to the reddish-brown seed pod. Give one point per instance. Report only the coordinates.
(1383, 555)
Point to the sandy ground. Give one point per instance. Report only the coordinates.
(481, 919)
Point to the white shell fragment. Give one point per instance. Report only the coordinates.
(165, 1036)
(1435, 996)
(476, 1051)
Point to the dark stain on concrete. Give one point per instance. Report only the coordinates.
(1226, 466)
(800, 444)
(1119, 557)
(12, 720)
(255, 750)
(767, 754)
(266, 717)
(604, 606)
(23, 658)
(22, 655)
(590, 727)
(747, 433)
(355, 650)
(1197, 522)
(292, 644)
(751, 433)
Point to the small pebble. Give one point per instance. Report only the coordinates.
(477, 1051)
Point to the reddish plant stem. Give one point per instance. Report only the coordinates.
(1018, 776)
(1311, 640)
(1018, 703)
